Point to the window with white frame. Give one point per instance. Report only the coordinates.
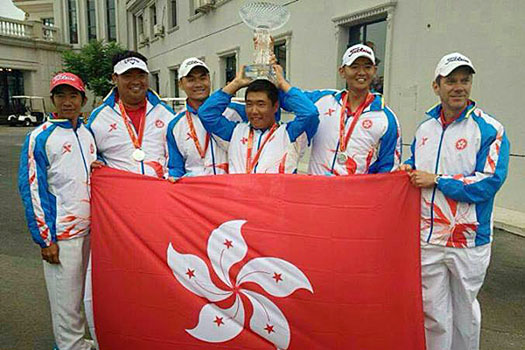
(91, 17)
(279, 50)
(155, 82)
(174, 73)
(230, 68)
(73, 22)
(111, 20)
(152, 17)
(172, 23)
(139, 27)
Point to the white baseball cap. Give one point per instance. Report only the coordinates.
(189, 64)
(356, 51)
(130, 63)
(450, 62)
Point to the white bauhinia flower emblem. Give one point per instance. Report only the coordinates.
(277, 277)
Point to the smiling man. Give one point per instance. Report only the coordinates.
(358, 133)
(460, 157)
(55, 189)
(130, 130)
(261, 145)
(192, 150)
(130, 125)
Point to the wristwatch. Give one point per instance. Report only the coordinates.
(436, 179)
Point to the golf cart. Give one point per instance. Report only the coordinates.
(28, 110)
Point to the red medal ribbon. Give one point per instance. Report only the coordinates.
(249, 163)
(343, 139)
(137, 141)
(193, 136)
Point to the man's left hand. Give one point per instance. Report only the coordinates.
(422, 179)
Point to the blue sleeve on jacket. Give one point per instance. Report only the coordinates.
(47, 201)
(240, 109)
(306, 115)
(210, 114)
(175, 159)
(388, 146)
(89, 124)
(483, 185)
(412, 160)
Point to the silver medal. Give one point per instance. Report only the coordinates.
(138, 155)
(341, 158)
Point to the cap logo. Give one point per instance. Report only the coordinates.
(359, 49)
(192, 63)
(455, 59)
(131, 60)
(63, 77)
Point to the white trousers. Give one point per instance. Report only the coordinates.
(88, 304)
(452, 278)
(65, 287)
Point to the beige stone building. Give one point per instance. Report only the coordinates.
(409, 37)
(30, 52)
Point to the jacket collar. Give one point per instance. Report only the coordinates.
(435, 111)
(378, 104)
(65, 123)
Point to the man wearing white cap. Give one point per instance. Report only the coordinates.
(459, 159)
(358, 133)
(192, 150)
(130, 125)
(130, 130)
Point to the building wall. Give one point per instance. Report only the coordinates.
(419, 33)
(38, 62)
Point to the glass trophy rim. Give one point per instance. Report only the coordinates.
(248, 21)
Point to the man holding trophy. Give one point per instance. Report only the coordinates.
(261, 145)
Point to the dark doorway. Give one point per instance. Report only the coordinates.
(11, 84)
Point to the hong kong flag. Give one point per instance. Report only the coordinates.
(256, 262)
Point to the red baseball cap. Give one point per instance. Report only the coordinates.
(67, 79)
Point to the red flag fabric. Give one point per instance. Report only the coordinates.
(256, 262)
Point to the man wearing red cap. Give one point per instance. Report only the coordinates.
(55, 189)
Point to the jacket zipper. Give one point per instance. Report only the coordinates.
(435, 186)
(83, 158)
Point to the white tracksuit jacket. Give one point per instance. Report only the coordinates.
(472, 154)
(282, 151)
(374, 146)
(54, 180)
(184, 158)
(114, 144)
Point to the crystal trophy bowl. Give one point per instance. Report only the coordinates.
(263, 17)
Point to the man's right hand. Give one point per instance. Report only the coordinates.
(405, 167)
(50, 254)
(238, 83)
(173, 179)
